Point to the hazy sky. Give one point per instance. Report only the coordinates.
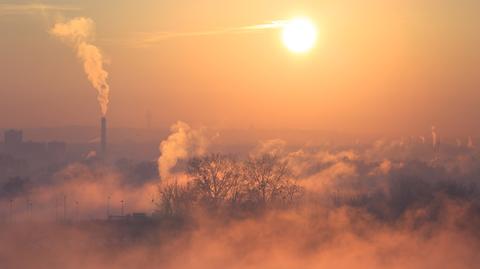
(379, 66)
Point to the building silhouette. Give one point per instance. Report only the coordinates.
(13, 141)
(15, 146)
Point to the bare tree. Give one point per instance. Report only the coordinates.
(216, 178)
(175, 199)
(268, 180)
(221, 182)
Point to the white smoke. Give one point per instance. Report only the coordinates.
(470, 143)
(275, 147)
(434, 138)
(79, 33)
(184, 142)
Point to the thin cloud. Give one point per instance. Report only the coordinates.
(145, 39)
(31, 8)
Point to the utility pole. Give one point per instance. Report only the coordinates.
(153, 203)
(76, 211)
(56, 209)
(29, 209)
(64, 207)
(11, 211)
(108, 207)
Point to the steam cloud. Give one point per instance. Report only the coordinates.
(79, 33)
(274, 147)
(183, 143)
(470, 143)
(434, 138)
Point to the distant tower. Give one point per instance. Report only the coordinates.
(103, 137)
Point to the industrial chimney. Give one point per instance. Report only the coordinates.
(103, 137)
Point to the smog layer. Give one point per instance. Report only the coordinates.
(396, 203)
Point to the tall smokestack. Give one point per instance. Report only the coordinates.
(103, 137)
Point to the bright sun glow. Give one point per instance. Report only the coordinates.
(299, 35)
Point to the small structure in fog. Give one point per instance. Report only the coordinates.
(134, 217)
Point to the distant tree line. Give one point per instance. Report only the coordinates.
(219, 184)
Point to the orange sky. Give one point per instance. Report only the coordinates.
(379, 66)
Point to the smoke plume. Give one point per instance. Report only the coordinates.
(470, 143)
(183, 143)
(434, 138)
(79, 33)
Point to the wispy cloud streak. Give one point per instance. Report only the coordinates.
(145, 39)
(32, 8)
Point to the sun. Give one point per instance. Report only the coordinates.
(299, 35)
